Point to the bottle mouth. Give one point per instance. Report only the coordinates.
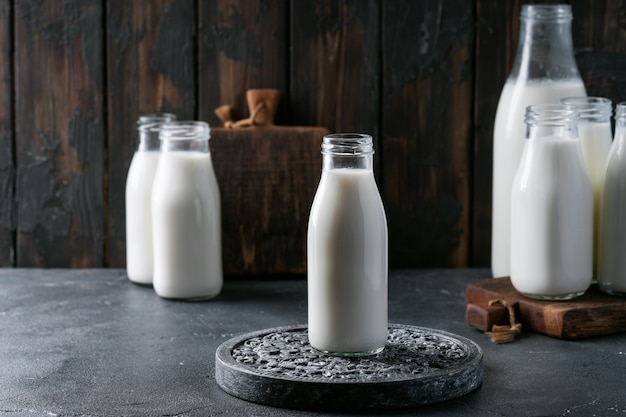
(347, 144)
(620, 111)
(152, 122)
(547, 12)
(590, 107)
(184, 131)
(554, 115)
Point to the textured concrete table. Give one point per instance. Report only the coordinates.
(88, 342)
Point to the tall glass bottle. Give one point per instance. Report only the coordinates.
(612, 265)
(347, 252)
(186, 215)
(551, 209)
(544, 71)
(139, 259)
(594, 130)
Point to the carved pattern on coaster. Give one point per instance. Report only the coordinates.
(408, 352)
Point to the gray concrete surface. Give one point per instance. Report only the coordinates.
(89, 342)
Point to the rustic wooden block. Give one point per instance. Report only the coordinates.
(483, 317)
(268, 177)
(592, 314)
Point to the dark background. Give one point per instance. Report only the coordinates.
(423, 77)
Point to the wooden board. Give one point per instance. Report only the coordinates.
(267, 178)
(59, 134)
(427, 52)
(149, 44)
(592, 314)
(7, 166)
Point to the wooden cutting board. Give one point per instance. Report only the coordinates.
(591, 314)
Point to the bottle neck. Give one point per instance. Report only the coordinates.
(591, 109)
(331, 162)
(148, 128)
(620, 114)
(545, 48)
(347, 151)
(549, 121)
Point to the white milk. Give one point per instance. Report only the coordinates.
(612, 265)
(347, 264)
(552, 220)
(509, 133)
(595, 141)
(186, 227)
(139, 260)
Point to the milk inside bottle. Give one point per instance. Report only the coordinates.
(544, 71)
(612, 265)
(347, 252)
(139, 259)
(551, 209)
(186, 215)
(594, 130)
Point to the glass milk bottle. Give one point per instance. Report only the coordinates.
(544, 71)
(551, 209)
(186, 218)
(139, 258)
(347, 252)
(612, 265)
(594, 130)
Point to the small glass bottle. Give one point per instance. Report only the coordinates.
(594, 130)
(544, 71)
(186, 215)
(612, 265)
(347, 253)
(139, 259)
(551, 209)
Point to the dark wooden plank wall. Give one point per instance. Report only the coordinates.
(423, 77)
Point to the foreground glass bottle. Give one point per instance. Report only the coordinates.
(544, 71)
(347, 253)
(139, 259)
(612, 265)
(594, 130)
(186, 215)
(551, 209)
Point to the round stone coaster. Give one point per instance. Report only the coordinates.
(418, 366)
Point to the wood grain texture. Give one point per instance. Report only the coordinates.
(242, 45)
(496, 45)
(427, 132)
(267, 177)
(423, 77)
(151, 68)
(599, 37)
(335, 65)
(7, 166)
(59, 133)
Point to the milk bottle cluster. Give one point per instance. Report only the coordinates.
(551, 209)
(544, 71)
(173, 214)
(347, 252)
(612, 263)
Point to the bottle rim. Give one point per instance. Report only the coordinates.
(551, 114)
(347, 144)
(152, 122)
(547, 12)
(590, 107)
(184, 130)
(620, 110)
